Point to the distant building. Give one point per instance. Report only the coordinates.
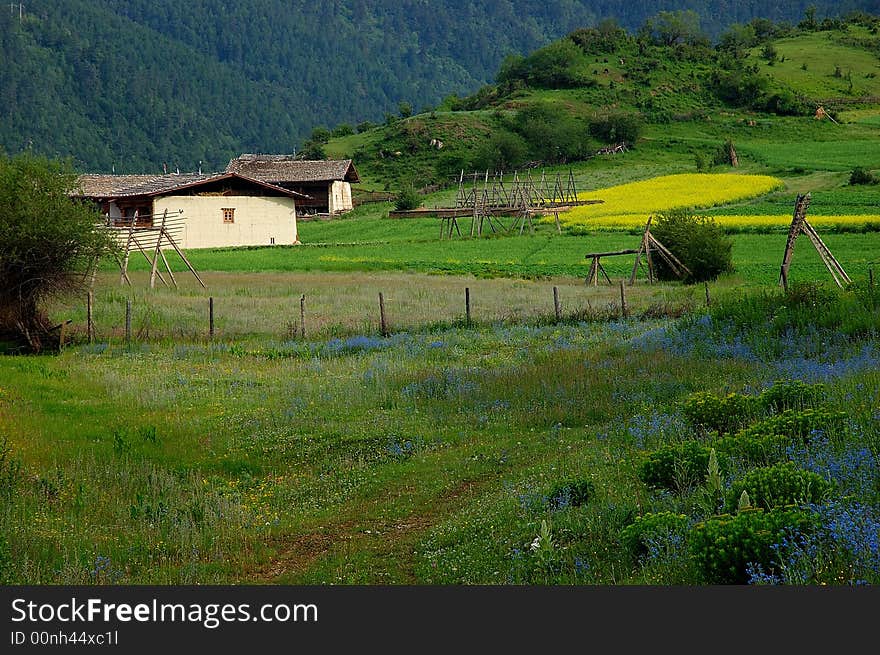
(326, 183)
(225, 209)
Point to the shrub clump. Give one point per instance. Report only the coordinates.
(651, 529)
(696, 241)
(407, 199)
(791, 394)
(797, 423)
(860, 175)
(723, 546)
(780, 485)
(706, 411)
(617, 127)
(571, 493)
(677, 466)
(755, 450)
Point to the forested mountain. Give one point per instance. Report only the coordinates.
(133, 84)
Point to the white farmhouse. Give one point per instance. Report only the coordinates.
(219, 210)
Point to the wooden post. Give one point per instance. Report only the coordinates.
(128, 322)
(783, 278)
(211, 317)
(624, 310)
(383, 325)
(556, 308)
(708, 300)
(467, 305)
(90, 321)
(154, 266)
(302, 316)
(61, 329)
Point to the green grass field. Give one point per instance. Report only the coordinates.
(426, 457)
(519, 449)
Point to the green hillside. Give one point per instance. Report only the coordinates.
(132, 84)
(674, 103)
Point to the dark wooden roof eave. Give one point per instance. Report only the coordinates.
(225, 176)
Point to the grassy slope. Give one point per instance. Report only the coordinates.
(822, 53)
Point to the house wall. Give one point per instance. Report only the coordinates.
(340, 197)
(257, 220)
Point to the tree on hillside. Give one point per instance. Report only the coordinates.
(674, 27)
(48, 243)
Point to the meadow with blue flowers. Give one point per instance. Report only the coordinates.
(734, 443)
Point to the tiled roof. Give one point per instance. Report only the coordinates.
(286, 168)
(122, 186)
(102, 186)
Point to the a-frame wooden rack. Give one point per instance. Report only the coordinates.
(649, 243)
(648, 246)
(800, 225)
(148, 240)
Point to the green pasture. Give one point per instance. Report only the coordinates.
(819, 66)
(429, 456)
(413, 245)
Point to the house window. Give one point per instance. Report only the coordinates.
(228, 215)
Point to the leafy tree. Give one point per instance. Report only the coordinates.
(404, 109)
(697, 241)
(48, 243)
(616, 127)
(343, 129)
(407, 199)
(321, 135)
(365, 126)
(502, 151)
(672, 27)
(313, 150)
(860, 175)
(553, 135)
(560, 65)
(737, 39)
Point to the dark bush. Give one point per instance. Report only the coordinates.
(407, 199)
(619, 127)
(706, 411)
(754, 450)
(343, 129)
(723, 546)
(677, 467)
(552, 134)
(779, 485)
(791, 394)
(501, 151)
(560, 65)
(571, 493)
(861, 175)
(650, 529)
(697, 241)
(797, 424)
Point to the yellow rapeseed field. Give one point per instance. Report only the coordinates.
(764, 220)
(629, 205)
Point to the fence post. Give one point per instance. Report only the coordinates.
(467, 305)
(90, 322)
(624, 310)
(708, 299)
(556, 308)
(302, 316)
(382, 324)
(211, 317)
(128, 322)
